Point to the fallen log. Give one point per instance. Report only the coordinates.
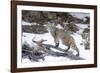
(36, 56)
(67, 54)
(33, 56)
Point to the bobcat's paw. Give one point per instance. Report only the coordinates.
(77, 54)
(57, 45)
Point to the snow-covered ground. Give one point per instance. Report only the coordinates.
(27, 38)
(80, 15)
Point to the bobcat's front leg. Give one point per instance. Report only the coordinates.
(56, 42)
(56, 39)
(56, 45)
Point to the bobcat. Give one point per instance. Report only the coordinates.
(64, 36)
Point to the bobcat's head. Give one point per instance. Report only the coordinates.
(50, 26)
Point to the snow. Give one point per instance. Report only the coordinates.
(82, 25)
(47, 36)
(80, 15)
(26, 23)
(55, 59)
(59, 26)
(28, 37)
